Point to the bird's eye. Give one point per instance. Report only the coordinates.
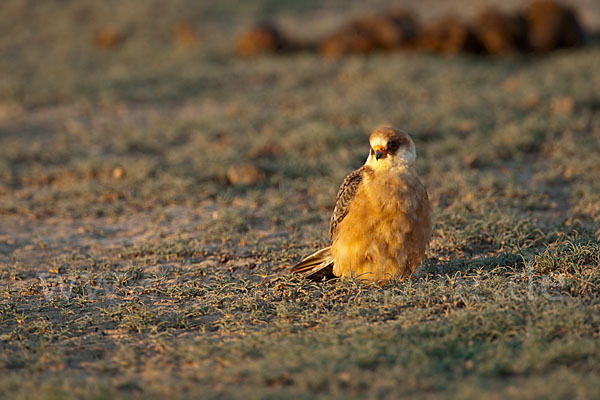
(394, 144)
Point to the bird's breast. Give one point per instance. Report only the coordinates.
(391, 195)
(381, 234)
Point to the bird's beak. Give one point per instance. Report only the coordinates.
(379, 152)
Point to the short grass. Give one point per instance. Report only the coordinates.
(171, 283)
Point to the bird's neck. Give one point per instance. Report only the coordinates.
(392, 167)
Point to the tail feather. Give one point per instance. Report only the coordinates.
(316, 266)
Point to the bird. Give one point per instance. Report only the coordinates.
(381, 223)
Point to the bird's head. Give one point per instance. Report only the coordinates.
(390, 148)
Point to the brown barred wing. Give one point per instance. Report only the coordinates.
(344, 197)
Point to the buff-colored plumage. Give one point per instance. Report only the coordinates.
(381, 224)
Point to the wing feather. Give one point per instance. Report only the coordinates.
(347, 191)
(316, 266)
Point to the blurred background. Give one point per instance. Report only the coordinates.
(56, 50)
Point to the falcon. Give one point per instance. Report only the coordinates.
(381, 222)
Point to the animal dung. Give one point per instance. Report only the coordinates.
(449, 35)
(541, 26)
(261, 38)
(500, 33)
(551, 25)
(185, 36)
(389, 31)
(108, 38)
(245, 174)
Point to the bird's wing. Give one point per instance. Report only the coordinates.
(347, 191)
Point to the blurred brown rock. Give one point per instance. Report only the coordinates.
(510, 84)
(265, 151)
(467, 125)
(448, 35)
(10, 110)
(396, 29)
(531, 101)
(543, 25)
(552, 25)
(108, 38)
(562, 105)
(262, 38)
(389, 31)
(185, 36)
(118, 173)
(345, 43)
(500, 33)
(245, 174)
(472, 160)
